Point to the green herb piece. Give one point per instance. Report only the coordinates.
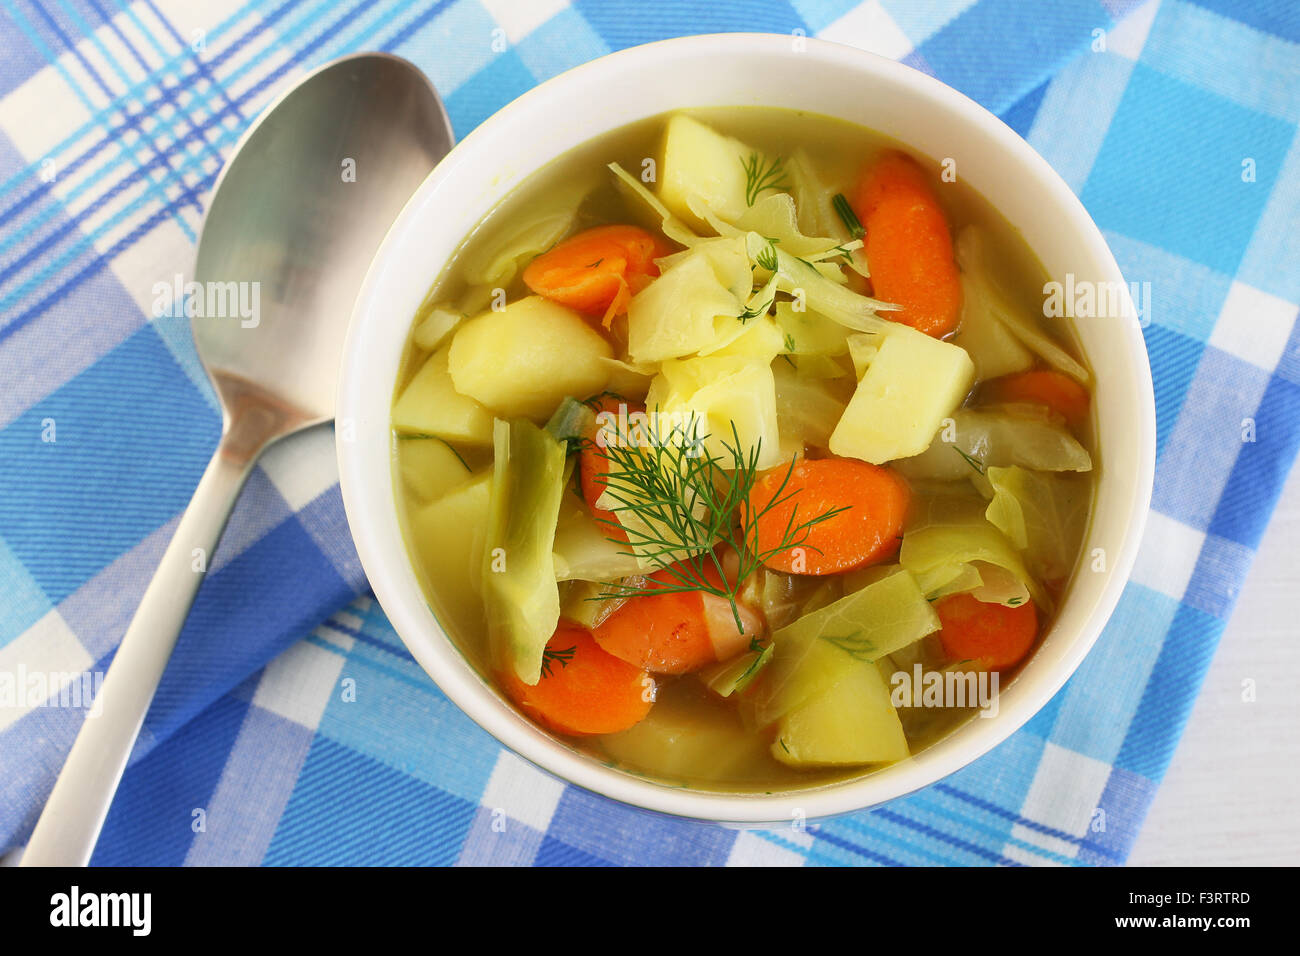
(572, 424)
(973, 462)
(755, 311)
(848, 216)
(685, 500)
(557, 655)
(761, 177)
(767, 257)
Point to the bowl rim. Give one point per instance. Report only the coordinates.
(444, 662)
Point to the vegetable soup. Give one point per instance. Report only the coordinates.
(734, 448)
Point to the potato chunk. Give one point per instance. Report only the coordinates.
(911, 384)
(522, 361)
(701, 163)
(431, 405)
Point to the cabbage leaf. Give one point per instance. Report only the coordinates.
(1042, 514)
(935, 549)
(520, 593)
(972, 257)
(996, 436)
(810, 655)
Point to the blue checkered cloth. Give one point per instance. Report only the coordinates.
(1175, 121)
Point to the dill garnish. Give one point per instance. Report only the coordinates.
(767, 258)
(756, 311)
(761, 177)
(682, 500)
(855, 645)
(973, 462)
(847, 216)
(560, 656)
(755, 647)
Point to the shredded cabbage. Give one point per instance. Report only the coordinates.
(733, 676)
(996, 437)
(774, 216)
(1042, 514)
(759, 339)
(803, 279)
(812, 197)
(673, 228)
(807, 333)
(694, 305)
(971, 256)
(520, 593)
(952, 535)
(991, 346)
(810, 655)
(583, 550)
(627, 379)
(498, 266)
(435, 327)
(808, 408)
(998, 586)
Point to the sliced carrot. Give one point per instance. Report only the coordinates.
(1047, 387)
(908, 245)
(593, 463)
(583, 690)
(868, 532)
(997, 636)
(597, 271)
(677, 632)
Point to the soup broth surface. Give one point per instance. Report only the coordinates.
(692, 737)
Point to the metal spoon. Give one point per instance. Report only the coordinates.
(295, 219)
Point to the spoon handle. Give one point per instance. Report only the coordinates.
(68, 827)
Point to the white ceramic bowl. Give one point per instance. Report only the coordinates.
(735, 70)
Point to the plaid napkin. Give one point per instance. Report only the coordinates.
(1175, 121)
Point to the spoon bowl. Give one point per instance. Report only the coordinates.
(295, 218)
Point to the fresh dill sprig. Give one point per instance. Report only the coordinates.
(973, 462)
(767, 258)
(756, 311)
(423, 436)
(553, 655)
(761, 177)
(855, 645)
(749, 671)
(847, 216)
(683, 500)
